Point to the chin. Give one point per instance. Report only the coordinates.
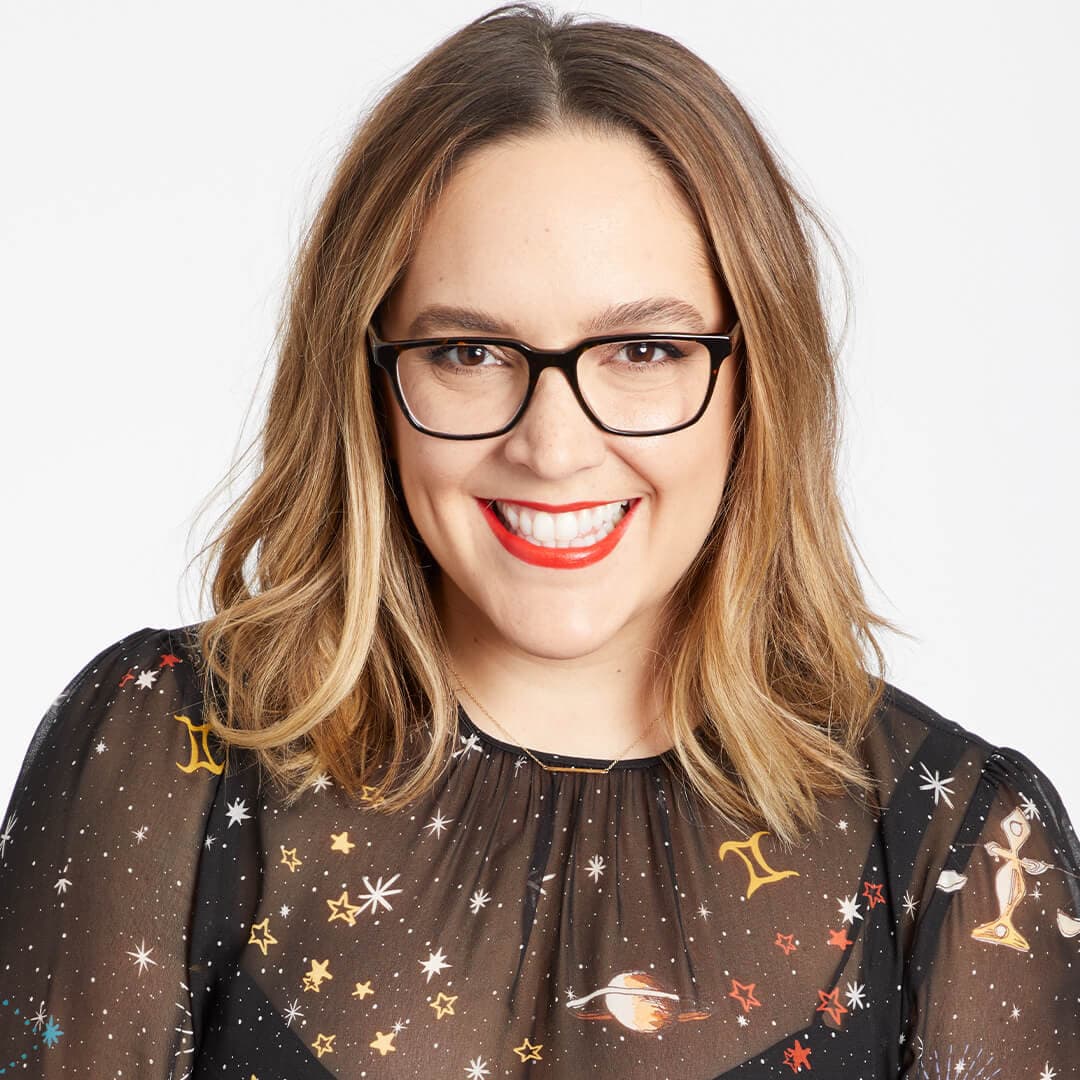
(554, 634)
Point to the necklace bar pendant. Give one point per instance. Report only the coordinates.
(572, 768)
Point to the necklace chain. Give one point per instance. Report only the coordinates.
(545, 767)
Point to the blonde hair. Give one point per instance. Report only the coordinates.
(325, 655)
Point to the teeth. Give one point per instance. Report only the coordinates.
(578, 528)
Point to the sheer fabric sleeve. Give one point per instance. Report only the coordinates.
(98, 857)
(996, 963)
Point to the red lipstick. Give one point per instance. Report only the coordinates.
(567, 558)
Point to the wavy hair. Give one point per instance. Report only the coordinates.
(324, 653)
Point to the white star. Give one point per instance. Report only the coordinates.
(399, 1027)
(1035, 894)
(596, 867)
(376, 894)
(142, 956)
(237, 813)
(434, 964)
(146, 679)
(101, 747)
(537, 885)
(140, 833)
(936, 784)
(284, 910)
(842, 825)
(321, 782)
(438, 823)
(850, 909)
(1029, 808)
(1048, 1073)
(40, 1017)
(5, 836)
(208, 843)
(477, 1069)
(1015, 1014)
(910, 904)
(471, 743)
(62, 885)
(292, 1012)
(478, 900)
(703, 911)
(854, 994)
(743, 1022)
(960, 1066)
(519, 761)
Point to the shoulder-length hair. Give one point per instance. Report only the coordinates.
(324, 653)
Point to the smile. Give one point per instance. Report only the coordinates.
(558, 541)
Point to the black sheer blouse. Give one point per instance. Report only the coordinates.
(160, 916)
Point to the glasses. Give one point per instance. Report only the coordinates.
(479, 387)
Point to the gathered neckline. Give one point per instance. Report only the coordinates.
(548, 757)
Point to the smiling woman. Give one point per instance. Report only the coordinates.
(553, 429)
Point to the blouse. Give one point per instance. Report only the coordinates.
(164, 915)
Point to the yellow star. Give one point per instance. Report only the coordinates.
(268, 938)
(343, 910)
(362, 990)
(367, 793)
(289, 859)
(341, 842)
(383, 1043)
(320, 969)
(321, 1047)
(443, 1005)
(528, 1051)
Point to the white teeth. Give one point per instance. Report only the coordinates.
(580, 528)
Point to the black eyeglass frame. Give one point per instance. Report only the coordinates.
(384, 354)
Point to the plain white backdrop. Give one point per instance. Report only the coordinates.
(162, 160)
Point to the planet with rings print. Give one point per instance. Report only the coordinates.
(638, 1000)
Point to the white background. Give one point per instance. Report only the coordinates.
(161, 161)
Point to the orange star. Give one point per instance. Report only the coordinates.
(289, 859)
(320, 1047)
(383, 1043)
(739, 990)
(168, 660)
(443, 1005)
(874, 898)
(529, 1051)
(839, 938)
(341, 842)
(362, 990)
(786, 942)
(797, 1056)
(343, 910)
(830, 1004)
(267, 939)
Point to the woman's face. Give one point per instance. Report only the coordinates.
(543, 234)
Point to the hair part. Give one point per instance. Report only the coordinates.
(325, 655)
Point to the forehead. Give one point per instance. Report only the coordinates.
(560, 227)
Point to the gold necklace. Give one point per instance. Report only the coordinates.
(548, 768)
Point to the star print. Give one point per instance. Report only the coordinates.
(477, 1069)
(854, 994)
(5, 836)
(437, 823)
(849, 909)
(1029, 809)
(741, 1020)
(320, 970)
(910, 904)
(839, 938)
(873, 894)
(62, 885)
(146, 680)
(536, 885)
(362, 990)
(39, 1018)
(289, 859)
(208, 843)
(341, 842)
(292, 1012)
(743, 993)
(168, 660)
(795, 1057)
(443, 1005)
(376, 894)
(936, 784)
(321, 782)
(237, 813)
(140, 833)
(142, 956)
(1047, 1073)
(101, 747)
(267, 939)
(842, 825)
(786, 942)
(478, 900)
(703, 911)
(434, 964)
(519, 761)
(1035, 894)
(383, 1043)
(471, 743)
(596, 867)
(830, 1004)
(343, 910)
(398, 1027)
(323, 1047)
(528, 1051)
(1015, 1014)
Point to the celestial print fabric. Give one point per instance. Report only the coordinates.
(164, 916)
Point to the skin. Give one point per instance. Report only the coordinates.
(543, 233)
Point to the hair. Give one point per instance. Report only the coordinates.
(325, 655)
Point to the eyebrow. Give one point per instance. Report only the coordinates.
(442, 318)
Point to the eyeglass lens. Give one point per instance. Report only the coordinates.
(631, 385)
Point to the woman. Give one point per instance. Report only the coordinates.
(531, 732)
